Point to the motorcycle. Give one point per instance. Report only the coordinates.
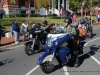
(49, 59)
(37, 41)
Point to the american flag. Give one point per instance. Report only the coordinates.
(61, 11)
(29, 12)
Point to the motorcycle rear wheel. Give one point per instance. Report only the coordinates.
(47, 67)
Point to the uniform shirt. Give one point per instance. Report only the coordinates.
(70, 30)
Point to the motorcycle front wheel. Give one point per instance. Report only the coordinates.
(47, 67)
(28, 49)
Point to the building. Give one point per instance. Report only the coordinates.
(19, 6)
(60, 4)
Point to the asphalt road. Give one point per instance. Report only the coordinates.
(14, 61)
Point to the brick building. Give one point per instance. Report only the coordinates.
(19, 6)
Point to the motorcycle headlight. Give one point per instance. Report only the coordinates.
(50, 41)
(30, 35)
(49, 44)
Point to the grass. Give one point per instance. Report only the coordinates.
(38, 20)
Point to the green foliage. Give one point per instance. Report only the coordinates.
(12, 1)
(75, 4)
(43, 3)
(35, 15)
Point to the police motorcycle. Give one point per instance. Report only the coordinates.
(37, 40)
(49, 59)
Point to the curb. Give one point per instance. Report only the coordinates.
(1, 47)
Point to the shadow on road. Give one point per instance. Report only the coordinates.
(93, 50)
(93, 35)
(4, 50)
(6, 61)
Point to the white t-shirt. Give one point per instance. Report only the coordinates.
(24, 27)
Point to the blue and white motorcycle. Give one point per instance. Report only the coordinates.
(51, 57)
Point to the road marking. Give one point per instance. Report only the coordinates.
(94, 58)
(93, 40)
(65, 70)
(90, 54)
(32, 70)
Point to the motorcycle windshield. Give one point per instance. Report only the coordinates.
(54, 40)
(63, 39)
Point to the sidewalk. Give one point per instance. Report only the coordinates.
(7, 42)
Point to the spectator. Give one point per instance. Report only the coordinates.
(99, 17)
(74, 20)
(45, 21)
(1, 32)
(11, 30)
(96, 18)
(24, 30)
(71, 15)
(82, 21)
(59, 29)
(16, 31)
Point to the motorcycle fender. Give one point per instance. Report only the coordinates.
(47, 57)
(86, 48)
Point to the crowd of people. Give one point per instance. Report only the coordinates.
(83, 23)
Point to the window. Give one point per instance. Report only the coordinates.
(32, 3)
(22, 2)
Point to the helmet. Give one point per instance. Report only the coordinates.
(68, 20)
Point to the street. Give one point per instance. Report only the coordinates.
(15, 62)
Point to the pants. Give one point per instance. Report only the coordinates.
(16, 36)
(73, 47)
(24, 35)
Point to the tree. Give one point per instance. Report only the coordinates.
(12, 1)
(43, 3)
(75, 4)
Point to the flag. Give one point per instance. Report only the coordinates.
(29, 12)
(61, 12)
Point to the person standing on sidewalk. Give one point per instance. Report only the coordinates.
(1, 32)
(16, 31)
(24, 28)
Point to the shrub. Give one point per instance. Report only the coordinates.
(23, 15)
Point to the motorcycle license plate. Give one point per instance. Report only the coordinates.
(30, 35)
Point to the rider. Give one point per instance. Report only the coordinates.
(71, 42)
(45, 27)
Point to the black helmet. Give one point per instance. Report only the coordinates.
(68, 20)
